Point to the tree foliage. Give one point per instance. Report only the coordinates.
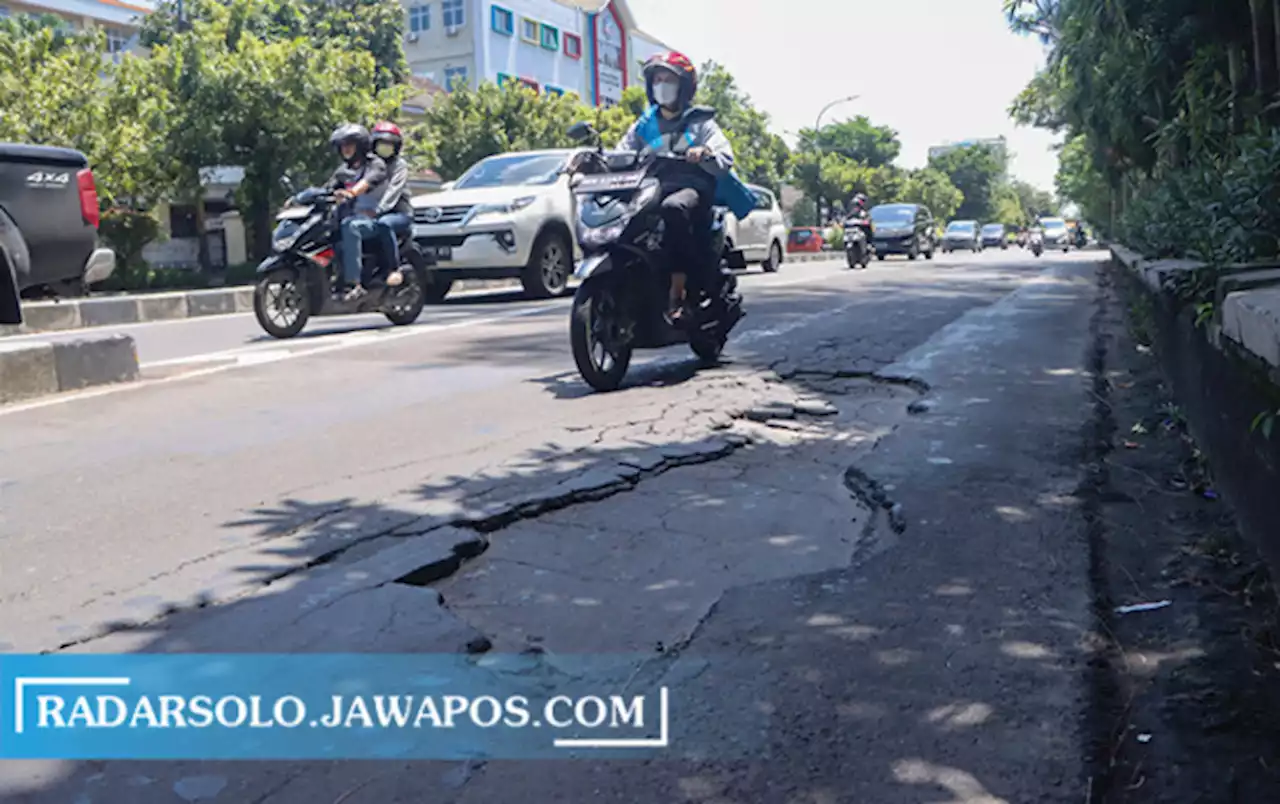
(978, 171)
(762, 156)
(1159, 98)
(858, 139)
(375, 27)
(933, 189)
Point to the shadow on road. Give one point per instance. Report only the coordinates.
(940, 673)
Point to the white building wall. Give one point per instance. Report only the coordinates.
(554, 59)
(642, 48)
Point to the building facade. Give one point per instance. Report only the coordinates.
(591, 48)
(998, 143)
(118, 19)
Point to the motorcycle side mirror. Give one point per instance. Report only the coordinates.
(287, 184)
(582, 131)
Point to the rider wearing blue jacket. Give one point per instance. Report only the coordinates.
(673, 126)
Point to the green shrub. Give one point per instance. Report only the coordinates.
(1219, 210)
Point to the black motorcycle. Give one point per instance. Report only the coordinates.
(857, 242)
(301, 278)
(620, 304)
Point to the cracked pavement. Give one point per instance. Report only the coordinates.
(872, 498)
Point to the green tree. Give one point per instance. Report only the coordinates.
(857, 139)
(975, 170)
(762, 156)
(1033, 201)
(933, 189)
(375, 27)
(241, 98)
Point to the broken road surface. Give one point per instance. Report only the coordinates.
(871, 503)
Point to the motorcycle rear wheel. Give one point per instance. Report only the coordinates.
(591, 318)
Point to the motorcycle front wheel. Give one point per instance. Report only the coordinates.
(595, 329)
(281, 304)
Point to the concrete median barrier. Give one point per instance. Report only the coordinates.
(30, 369)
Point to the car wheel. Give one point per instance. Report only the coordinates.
(771, 263)
(547, 273)
(880, 257)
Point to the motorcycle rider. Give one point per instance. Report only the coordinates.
(673, 125)
(859, 217)
(360, 178)
(394, 213)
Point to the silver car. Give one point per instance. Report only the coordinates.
(962, 235)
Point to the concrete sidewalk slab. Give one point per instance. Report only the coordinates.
(34, 369)
(1252, 319)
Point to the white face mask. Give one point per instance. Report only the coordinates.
(666, 94)
(385, 150)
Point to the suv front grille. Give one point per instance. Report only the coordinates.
(453, 214)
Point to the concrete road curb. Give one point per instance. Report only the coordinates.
(141, 308)
(97, 311)
(1247, 299)
(34, 369)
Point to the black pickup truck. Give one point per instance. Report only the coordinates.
(48, 226)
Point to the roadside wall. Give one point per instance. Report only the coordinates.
(1223, 371)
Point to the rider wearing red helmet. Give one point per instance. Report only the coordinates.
(673, 126)
(394, 213)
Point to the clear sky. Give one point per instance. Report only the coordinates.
(935, 70)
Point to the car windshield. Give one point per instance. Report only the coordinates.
(1053, 223)
(902, 216)
(512, 170)
(960, 226)
(993, 228)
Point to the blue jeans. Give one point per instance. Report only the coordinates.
(390, 225)
(355, 230)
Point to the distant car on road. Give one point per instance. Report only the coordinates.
(961, 235)
(993, 235)
(509, 216)
(48, 226)
(903, 229)
(1056, 234)
(805, 240)
(759, 237)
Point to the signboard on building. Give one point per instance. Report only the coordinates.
(609, 46)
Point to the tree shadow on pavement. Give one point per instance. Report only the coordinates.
(935, 656)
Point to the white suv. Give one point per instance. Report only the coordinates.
(510, 216)
(759, 237)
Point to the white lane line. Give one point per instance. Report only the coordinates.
(366, 338)
(195, 320)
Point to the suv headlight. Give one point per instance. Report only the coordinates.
(500, 209)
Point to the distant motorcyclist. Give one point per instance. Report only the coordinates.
(394, 213)
(361, 178)
(673, 126)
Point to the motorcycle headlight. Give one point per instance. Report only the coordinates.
(598, 236)
(285, 235)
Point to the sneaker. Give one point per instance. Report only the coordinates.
(357, 292)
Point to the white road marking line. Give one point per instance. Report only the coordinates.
(366, 338)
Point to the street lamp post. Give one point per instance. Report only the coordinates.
(817, 128)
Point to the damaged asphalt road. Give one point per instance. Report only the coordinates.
(873, 502)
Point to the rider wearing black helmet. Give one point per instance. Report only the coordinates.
(360, 178)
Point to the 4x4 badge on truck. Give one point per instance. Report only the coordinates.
(43, 179)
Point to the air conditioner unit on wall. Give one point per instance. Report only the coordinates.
(411, 37)
(452, 30)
